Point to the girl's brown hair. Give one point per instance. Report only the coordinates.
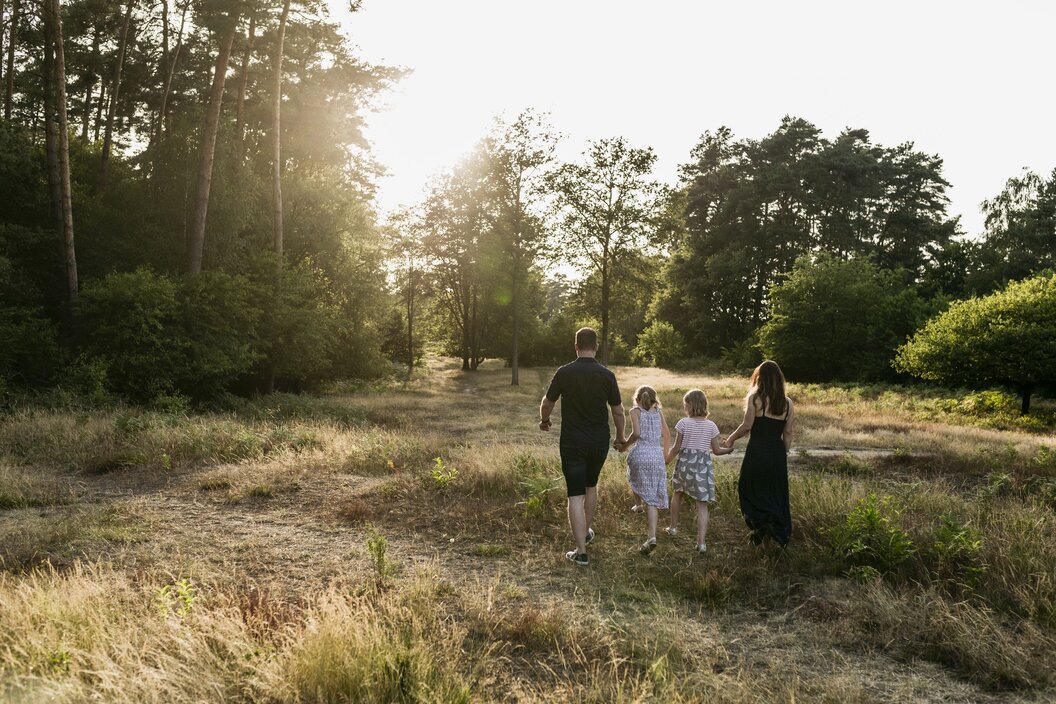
(645, 398)
(697, 403)
(768, 385)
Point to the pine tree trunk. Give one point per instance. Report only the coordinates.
(115, 93)
(9, 74)
(51, 135)
(3, 8)
(243, 83)
(93, 66)
(603, 353)
(410, 323)
(276, 130)
(208, 148)
(163, 110)
(53, 21)
(99, 110)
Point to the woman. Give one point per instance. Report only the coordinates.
(763, 485)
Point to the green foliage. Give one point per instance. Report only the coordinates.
(377, 550)
(177, 598)
(660, 345)
(1006, 338)
(754, 206)
(833, 319)
(443, 474)
(957, 549)
(157, 335)
(870, 536)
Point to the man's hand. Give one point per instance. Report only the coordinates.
(619, 444)
(545, 425)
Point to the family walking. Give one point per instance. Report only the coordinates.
(589, 395)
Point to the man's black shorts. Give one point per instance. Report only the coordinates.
(582, 466)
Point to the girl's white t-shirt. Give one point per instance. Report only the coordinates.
(697, 433)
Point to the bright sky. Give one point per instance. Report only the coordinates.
(970, 81)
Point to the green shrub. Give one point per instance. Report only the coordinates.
(659, 345)
(957, 549)
(836, 319)
(159, 336)
(870, 536)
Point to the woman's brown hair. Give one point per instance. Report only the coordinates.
(768, 384)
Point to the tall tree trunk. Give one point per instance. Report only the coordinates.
(243, 83)
(603, 353)
(115, 93)
(93, 73)
(2, 10)
(515, 304)
(51, 135)
(1025, 392)
(170, 70)
(99, 110)
(57, 85)
(208, 149)
(410, 322)
(9, 74)
(276, 130)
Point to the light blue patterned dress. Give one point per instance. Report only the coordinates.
(646, 469)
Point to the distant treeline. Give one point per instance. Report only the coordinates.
(187, 210)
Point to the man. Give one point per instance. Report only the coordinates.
(590, 393)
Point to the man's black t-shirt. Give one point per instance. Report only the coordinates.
(588, 389)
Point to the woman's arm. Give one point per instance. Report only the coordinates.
(786, 437)
(717, 449)
(668, 456)
(746, 424)
(633, 437)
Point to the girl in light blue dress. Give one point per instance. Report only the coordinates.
(646, 468)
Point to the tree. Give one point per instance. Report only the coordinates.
(276, 133)
(839, 320)
(609, 209)
(115, 94)
(12, 43)
(1007, 338)
(207, 148)
(1020, 235)
(520, 151)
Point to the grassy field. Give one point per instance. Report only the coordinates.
(404, 543)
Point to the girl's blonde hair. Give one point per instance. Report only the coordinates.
(645, 398)
(696, 403)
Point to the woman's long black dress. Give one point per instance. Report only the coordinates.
(763, 485)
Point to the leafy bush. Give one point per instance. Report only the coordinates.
(834, 319)
(869, 536)
(157, 335)
(659, 345)
(957, 549)
(1007, 338)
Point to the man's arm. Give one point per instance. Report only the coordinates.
(618, 419)
(546, 407)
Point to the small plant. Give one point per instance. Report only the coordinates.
(863, 574)
(958, 551)
(443, 474)
(999, 484)
(535, 489)
(377, 549)
(869, 536)
(178, 598)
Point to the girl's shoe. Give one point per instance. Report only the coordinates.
(702, 548)
(637, 508)
(579, 559)
(673, 532)
(648, 546)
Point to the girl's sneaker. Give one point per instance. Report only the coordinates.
(578, 558)
(673, 532)
(648, 546)
(702, 548)
(637, 508)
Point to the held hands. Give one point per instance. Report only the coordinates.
(619, 444)
(728, 442)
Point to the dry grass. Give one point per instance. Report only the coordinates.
(237, 563)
